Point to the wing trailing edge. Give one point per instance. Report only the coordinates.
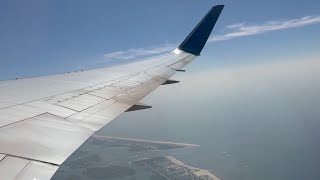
(196, 40)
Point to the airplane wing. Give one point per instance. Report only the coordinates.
(43, 120)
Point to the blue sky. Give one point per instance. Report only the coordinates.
(264, 69)
(45, 37)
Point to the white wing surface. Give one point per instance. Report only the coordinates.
(43, 120)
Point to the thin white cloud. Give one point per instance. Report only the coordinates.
(232, 31)
(243, 29)
(139, 52)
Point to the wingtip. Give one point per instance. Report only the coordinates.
(217, 7)
(196, 40)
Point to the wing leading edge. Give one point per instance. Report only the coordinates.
(43, 120)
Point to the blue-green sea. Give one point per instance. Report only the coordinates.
(252, 123)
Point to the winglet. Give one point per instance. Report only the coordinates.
(196, 40)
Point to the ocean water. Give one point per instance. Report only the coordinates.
(256, 122)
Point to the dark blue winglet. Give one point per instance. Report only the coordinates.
(196, 40)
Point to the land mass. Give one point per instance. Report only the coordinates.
(170, 168)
